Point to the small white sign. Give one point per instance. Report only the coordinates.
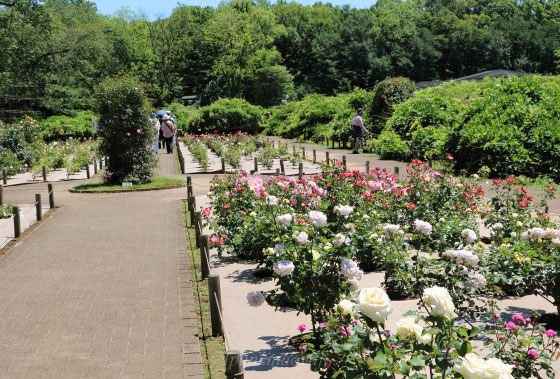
(127, 184)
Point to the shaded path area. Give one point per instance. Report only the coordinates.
(101, 289)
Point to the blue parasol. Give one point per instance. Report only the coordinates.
(161, 113)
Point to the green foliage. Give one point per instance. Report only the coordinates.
(227, 115)
(387, 94)
(513, 122)
(125, 131)
(390, 146)
(184, 114)
(79, 126)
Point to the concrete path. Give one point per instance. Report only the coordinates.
(101, 289)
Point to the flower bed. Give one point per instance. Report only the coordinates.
(318, 235)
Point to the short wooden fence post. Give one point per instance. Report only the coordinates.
(367, 167)
(189, 181)
(344, 162)
(277, 172)
(282, 167)
(17, 222)
(38, 206)
(223, 165)
(51, 195)
(303, 152)
(94, 167)
(300, 170)
(234, 365)
(256, 160)
(88, 174)
(215, 304)
(4, 176)
(1, 194)
(314, 156)
(396, 170)
(44, 173)
(328, 159)
(204, 252)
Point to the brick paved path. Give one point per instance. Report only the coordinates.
(100, 290)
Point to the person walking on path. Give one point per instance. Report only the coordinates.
(168, 132)
(359, 130)
(155, 123)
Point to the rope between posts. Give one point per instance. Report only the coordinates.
(221, 320)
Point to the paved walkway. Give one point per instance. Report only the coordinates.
(101, 289)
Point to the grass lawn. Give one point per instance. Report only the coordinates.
(159, 182)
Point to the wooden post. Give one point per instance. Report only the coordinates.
(282, 167)
(197, 227)
(396, 170)
(1, 194)
(431, 162)
(300, 170)
(344, 162)
(4, 176)
(38, 206)
(277, 172)
(51, 195)
(234, 365)
(293, 149)
(314, 156)
(256, 160)
(204, 251)
(223, 165)
(215, 304)
(17, 222)
(303, 152)
(367, 167)
(328, 159)
(94, 167)
(190, 191)
(189, 181)
(44, 173)
(332, 142)
(88, 174)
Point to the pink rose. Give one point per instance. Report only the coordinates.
(302, 327)
(550, 333)
(532, 353)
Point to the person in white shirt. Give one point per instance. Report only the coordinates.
(359, 130)
(155, 123)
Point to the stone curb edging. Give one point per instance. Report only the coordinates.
(72, 190)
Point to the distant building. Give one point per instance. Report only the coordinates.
(475, 77)
(188, 100)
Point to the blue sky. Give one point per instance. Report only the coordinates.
(163, 8)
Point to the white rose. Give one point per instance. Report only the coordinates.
(253, 214)
(345, 307)
(469, 235)
(283, 268)
(284, 219)
(272, 200)
(350, 269)
(255, 298)
(354, 284)
(278, 249)
(423, 227)
(496, 369)
(315, 254)
(340, 239)
(344, 210)
(556, 242)
(318, 218)
(439, 302)
(407, 327)
(301, 237)
(391, 229)
(375, 304)
(472, 367)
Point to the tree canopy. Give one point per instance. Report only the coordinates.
(263, 52)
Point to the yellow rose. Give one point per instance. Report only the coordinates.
(519, 223)
(514, 215)
(315, 254)
(345, 307)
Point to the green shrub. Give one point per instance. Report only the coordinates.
(184, 114)
(431, 142)
(79, 126)
(227, 115)
(125, 131)
(390, 146)
(386, 94)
